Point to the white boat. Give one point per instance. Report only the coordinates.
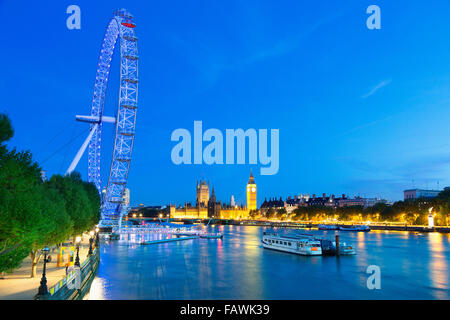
(344, 248)
(304, 246)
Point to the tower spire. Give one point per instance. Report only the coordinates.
(251, 180)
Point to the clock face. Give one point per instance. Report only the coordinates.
(253, 189)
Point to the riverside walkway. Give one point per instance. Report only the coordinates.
(19, 286)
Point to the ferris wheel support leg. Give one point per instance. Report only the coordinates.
(80, 152)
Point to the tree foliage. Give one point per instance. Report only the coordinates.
(34, 213)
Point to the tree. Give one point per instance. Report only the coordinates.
(77, 202)
(270, 213)
(55, 224)
(35, 214)
(281, 214)
(6, 129)
(20, 216)
(94, 200)
(254, 214)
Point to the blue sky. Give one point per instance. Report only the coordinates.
(362, 112)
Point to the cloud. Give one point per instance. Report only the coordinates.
(389, 177)
(211, 63)
(379, 86)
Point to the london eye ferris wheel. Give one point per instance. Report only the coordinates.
(121, 26)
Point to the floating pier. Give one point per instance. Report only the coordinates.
(168, 240)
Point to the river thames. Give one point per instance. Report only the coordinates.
(413, 266)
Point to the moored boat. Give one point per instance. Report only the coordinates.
(345, 249)
(329, 247)
(305, 246)
(355, 228)
(328, 227)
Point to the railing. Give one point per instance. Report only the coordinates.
(63, 291)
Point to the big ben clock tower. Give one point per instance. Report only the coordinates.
(251, 193)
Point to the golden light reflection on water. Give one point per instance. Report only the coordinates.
(252, 253)
(438, 264)
(361, 236)
(97, 291)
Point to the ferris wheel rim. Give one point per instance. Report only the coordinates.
(120, 30)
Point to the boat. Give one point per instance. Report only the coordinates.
(328, 227)
(329, 247)
(305, 246)
(355, 228)
(345, 249)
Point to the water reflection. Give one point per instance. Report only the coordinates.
(413, 266)
(97, 290)
(438, 250)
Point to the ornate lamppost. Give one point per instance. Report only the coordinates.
(91, 241)
(77, 259)
(43, 290)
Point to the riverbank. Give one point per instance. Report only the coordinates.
(19, 286)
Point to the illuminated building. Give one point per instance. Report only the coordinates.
(209, 207)
(202, 193)
(251, 193)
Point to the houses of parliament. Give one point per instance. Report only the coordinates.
(207, 206)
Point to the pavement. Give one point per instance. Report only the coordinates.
(20, 286)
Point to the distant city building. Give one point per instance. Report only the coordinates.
(272, 204)
(213, 206)
(232, 203)
(420, 193)
(209, 207)
(370, 202)
(290, 204)
(146, 211)
(126, 197)
(358, 201)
